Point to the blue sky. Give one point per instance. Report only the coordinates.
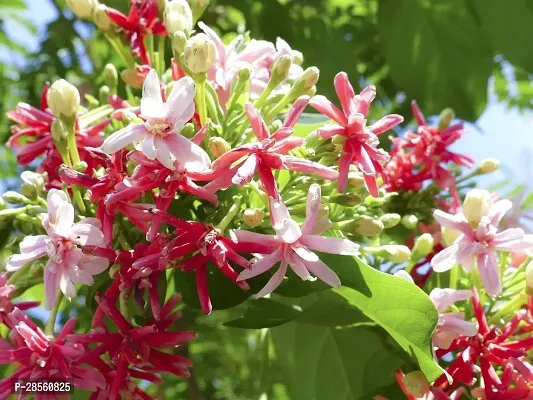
(500, 132)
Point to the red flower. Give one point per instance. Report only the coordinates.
(142, 20)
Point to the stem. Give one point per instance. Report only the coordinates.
(50, 324)
(17, 274)
(78, 200)
(278, 107)
(454, 274)
(200, 101)
(150, 45)
(511, 306)
(161, 55)
(261, 100)
(117, 46)
(231, 214)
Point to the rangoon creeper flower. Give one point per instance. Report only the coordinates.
(360, 141)
(67, 264)
(451, 324)
(480, 240)
(159, 133)
(292, 246)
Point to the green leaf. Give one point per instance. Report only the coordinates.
(424, 49)
(398, 306)
(265, 313)
(322, 363)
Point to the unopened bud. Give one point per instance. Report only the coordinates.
(82, 8)
(253, 217)
(179, 39)
(529, 279)
(297, 57)
(446, 117)
(111, 76)
(101, 19)
(63, 99)
(390, 220)
(275, 125)
(131, 78)
(409, 221)
(392, 252)
(488, 165)
(178, 16)
(14, 198)
(245, 73)
(416, 384)
(280, 70)
(59, 130)
(355, 179)
(306, 81)
(81, 166)
(371, 201)
(32, 178)
(368, 226)
(188, 130)
(8, 213)
(477, 205)
(28, 191)
(423, 246)
(346, 199)
(199, 53)
(449, 235)
(103, 94)
(218, 146)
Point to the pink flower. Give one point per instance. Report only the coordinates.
(37, 356)
(361, 141)
(271, 152)
(67, 264)
(159, 133)
(292, 246)
(451, 324)
(480, 240)
(6, 305)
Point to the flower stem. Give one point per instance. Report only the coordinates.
(231, 214)
(50, 324)
(161, 55)
(117, 46)
(200, 101)
(511, 307)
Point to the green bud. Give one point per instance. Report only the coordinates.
(371, 201)
(8, 213)
(245, 73)
(280, 70)
(59, 130)
(276, 124)
(63, 99)
(111, 77)
(346, 199)
(396, 253)
(305, 82)
(179, 38)
(101, 19)
(364, 225)
(416, 384)
(3, 205)
(28, 191)
(81, 166)
(446, 117)
(477, 205)
(410, 221)
(449, 235)
(188, 130)
(390, 220)
(423, 246)
(15, 198)
(253, 217)
(32, 178)
(131, 78)
(103, 94)
(218, 146)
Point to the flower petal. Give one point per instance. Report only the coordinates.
(87, 234)
(328, 131)
(148, 147)
(443, 298)
(446, 259)
(490, 275)
(191, 156)
(286, 228)
(330, 245)
(152, 105)
(304, 253)
(31, 243)
(54, 199)
(498, 210)
(51, 285)
(326, 107)
(312, 208)
(163, 153)
(256, 121)
(16, 261)
(246, 171)
(450, 221)
(274, 281)
(260, 266)
(296, 111)
(180, 100)
(309, 167)
(253, 237)
(323, 272)
(386, 123)
(123, 137)
(67, 287)
(344, 90)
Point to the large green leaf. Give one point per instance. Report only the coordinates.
(322, 363)
(398, 306)
(437, 54)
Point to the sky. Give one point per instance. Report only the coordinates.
(500, 132)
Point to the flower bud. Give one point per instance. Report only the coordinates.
(179, 39)
(488, 165)
(345, 199)
(14, 198)
(218, 146)
(356, 179)
(28, 191)
(59, 130)
(188, 130)
(32, 178)
(111, 76)
(396, 253)
(245, 73)
(529, 279)
(280, 70)
(445, 118)
(82, 8)
(199, 53)
(449, 235)
(416, 384)
(8, 213)
(101, 19)
(477, 205)
(81, 166)
(131, 78)
(63, 99)
(297, 57)
(253, 217)
(423, 246)
(409, 221)
(368, 226)
(306, 81)
(371, 201)
(178, 16)
(390, 220)
(103, 94)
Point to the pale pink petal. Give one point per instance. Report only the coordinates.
(304, 253)
(403, 274)
(253, 237)
(286, 228)
(296, 111)
(51, 286)
(446, 259)
(467, 252)
(386, 123)
(163, 153)
(191, 156)
(246, 171)
(274, 281)
(31, 243)
(498, 210)
(16, 261)
(54, 199)
(420, 119)
(298, 267)
(443, 298)
(450, 221)
(256, 50)
(94, 265)
(456, 322)
(80, 276)
(490, 275)
(87, 234)
(260, 266)
(327, 132)
(330, 245)
(256, 121)
(344, 90)
(361, 102)
(309, 167)
(64, 219)
(152, 105)
(148, 147)
(312, 208)
(123, 137)
(344, 170)
(323, 272)
(66, 286)
(180, 103)
(326, 107)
